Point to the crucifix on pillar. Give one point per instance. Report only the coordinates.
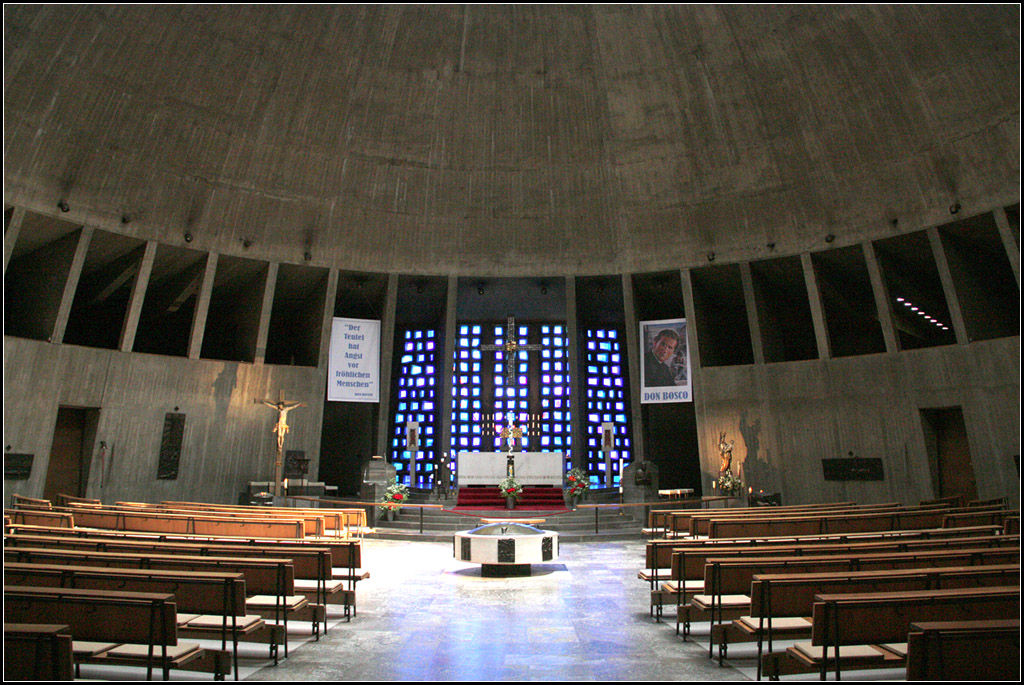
(510, 432)
(280, 429)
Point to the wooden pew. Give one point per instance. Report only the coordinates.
(978, 516)
(124, 621)
(186, 523)
(40, 517)
(964, 650)
(817, 524)
(270, 582)
(20, 501)
(343, 521)
(658, 555)
(693, 523)
(727, 578)
(209, 604)
(336, 587)
(781, 604)
(686, 572)
(35, 651)
(314, 525)
(700, 524)
(313, 564)
(870, 628)
(65, 500)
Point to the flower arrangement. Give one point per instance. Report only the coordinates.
(730, 484)
(510, 487)
(576, 483)
(394, 497)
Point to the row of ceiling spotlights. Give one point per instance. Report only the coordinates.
(920, 312)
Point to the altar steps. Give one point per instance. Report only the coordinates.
(473, 499)
(572, 526)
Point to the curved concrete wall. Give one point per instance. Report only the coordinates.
(508, 140)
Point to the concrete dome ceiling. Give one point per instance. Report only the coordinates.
(511, 140)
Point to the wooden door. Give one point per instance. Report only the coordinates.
(949, 453)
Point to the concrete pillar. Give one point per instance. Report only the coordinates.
(946, 277)
(753, 318)
(1005, 232)
(195, 340)
(11, 234)
(817, 308)
(633, 354)
(578, 403)
(387, 345)
(266, 307)
(883, 301)
(137, 297)
(446, 364)
(71, 285)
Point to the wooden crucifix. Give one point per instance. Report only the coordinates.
(510, 433)
(280, 429)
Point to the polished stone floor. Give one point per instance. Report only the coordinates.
(425, 616)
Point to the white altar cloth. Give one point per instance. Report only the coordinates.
(488, 468)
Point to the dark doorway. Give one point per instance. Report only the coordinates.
(73, 436)
(949, 454)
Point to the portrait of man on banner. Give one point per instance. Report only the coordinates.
(665, 372)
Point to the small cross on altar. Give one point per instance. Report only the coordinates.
(510, 432)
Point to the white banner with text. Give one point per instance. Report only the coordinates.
(353, 372)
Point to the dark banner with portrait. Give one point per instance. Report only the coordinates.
(665, 371)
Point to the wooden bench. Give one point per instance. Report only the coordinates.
(701, 524)
(686, 572)
(728, 578)
(964, 650)
(346, 553)
(341, 520)
(838, 522)
(314, 564)
(35, 651)
(683, 522)
(209, 604)
(270, 582)
(870, 630)
(781, 604)
(185, 523)
(314, 525)
(977, 516)
(19, 501)
(658, 555)
(40, 517)
(133, 628)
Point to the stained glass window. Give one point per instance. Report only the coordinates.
(482, 397)
(603, 373)
(416, 401)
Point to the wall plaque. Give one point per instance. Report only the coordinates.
(853, 468)
(17, 466)
(170, 446)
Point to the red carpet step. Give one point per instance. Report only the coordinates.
(489, 498)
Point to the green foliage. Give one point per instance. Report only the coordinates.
(576, 482)
(394, 497)
(510, 487)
